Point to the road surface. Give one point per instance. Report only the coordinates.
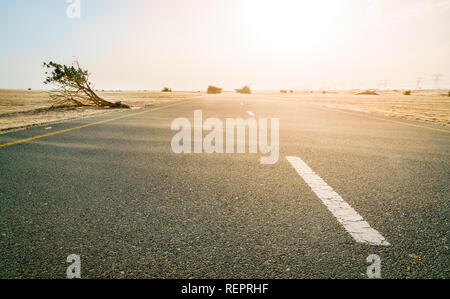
(111, 190)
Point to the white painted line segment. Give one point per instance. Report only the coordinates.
(355, 225)
(251, 113)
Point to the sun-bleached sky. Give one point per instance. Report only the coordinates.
(267, 44)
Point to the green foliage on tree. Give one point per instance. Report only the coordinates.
(73, 88)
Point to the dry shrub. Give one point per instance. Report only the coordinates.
(214, 90)
(244, 90)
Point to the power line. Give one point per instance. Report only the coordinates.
(418, 83)
(384, 83)
(437, 79)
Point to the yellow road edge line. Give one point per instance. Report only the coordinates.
(88, 125)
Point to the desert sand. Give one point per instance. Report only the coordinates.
(21, 109)
(422, 106)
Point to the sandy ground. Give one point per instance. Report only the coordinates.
(429, 107)
(21, 109)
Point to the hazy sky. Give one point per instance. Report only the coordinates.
(267, 44)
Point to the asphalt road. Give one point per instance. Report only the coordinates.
(115, 194)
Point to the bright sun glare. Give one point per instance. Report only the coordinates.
(290, 24)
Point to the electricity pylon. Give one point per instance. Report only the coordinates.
(437, 79)
(418, 85)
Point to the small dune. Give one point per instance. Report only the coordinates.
(367, 93)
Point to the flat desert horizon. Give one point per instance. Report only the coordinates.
(21, 109)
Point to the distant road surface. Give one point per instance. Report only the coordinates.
(111, 190)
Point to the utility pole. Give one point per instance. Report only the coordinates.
(379, 84)
(383, 83)
(322, 86)
(418, 85)
(437, 79)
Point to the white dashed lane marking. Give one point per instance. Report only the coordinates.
(355, 225)
(251, 113)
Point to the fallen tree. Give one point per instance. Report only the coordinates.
(73, 88)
